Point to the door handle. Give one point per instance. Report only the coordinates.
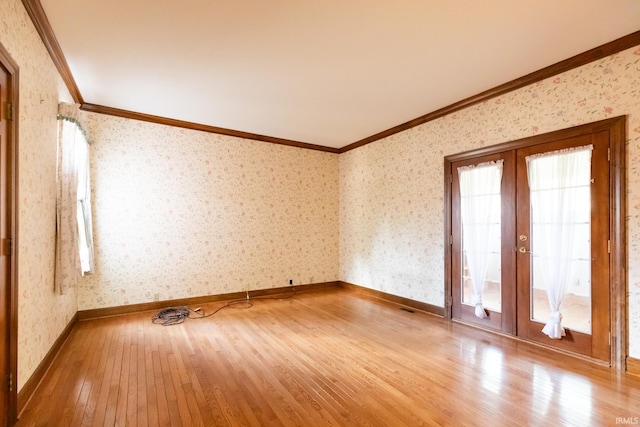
(524, 250)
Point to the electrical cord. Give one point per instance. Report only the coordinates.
(175, 315)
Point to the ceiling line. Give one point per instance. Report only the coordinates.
(576, 61)
(200, 127)
(39, 19)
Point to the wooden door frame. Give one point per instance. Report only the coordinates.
(504, 321)
(12, 187)
(617, 128)
(594, 344)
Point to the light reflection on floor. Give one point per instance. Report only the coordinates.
(556, 394)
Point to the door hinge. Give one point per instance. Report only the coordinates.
(450, 239)
(608, 246)
(7, 247)
(10, 382)
(609, 154)
(9, 111)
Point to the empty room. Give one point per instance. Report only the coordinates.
(236, 213)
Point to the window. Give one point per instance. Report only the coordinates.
(74, 245)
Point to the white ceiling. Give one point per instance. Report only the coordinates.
(328, 72)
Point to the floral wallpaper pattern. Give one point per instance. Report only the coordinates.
(180, 213)
(391, 191)
(42, 315)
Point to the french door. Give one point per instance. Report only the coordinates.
(580, 243)
(498, 293)
(529, 236)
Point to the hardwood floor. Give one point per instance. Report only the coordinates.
(330, 358)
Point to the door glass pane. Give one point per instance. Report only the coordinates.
(561, 237)
(491, 295)
(480, 205)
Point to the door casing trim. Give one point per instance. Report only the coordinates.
(617, 128)
(12, 68)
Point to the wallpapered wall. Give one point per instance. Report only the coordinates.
(181, 213)
(391, 191)
(42, 315)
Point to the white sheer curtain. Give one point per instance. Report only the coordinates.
(480, 203)
(84, 218)
(74, 243)
(557, 180)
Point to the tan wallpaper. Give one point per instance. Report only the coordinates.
(391, 191)
(180, 213)
(42, 315)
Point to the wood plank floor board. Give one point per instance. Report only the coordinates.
(170, 390)
(293, 378)
(280, 388)
(330, 358)
(195, 397)
(95, 374)
(142, 405)
(132, 381)
(110, 370)
(122, 382)
(309, 369)
(229, 389)
(247, 411)
(202, 390)
(272, 391)
(66, 391)
(400, 387)
(88, 357)
(115, 388)
(152, 401)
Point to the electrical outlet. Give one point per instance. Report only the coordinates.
(156, 297)
(291, 282)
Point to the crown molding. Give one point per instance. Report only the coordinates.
(39, 18)
(40, 21)
(200, 127)
(576, 61)
(43, 27)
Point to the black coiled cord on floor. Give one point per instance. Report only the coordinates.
(176, 315)
(171, 316)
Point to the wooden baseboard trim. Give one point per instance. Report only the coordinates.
(633, 366)
(406, 302)
(32, 383)
(158, 305)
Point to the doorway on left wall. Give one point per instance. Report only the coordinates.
(8, 223)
